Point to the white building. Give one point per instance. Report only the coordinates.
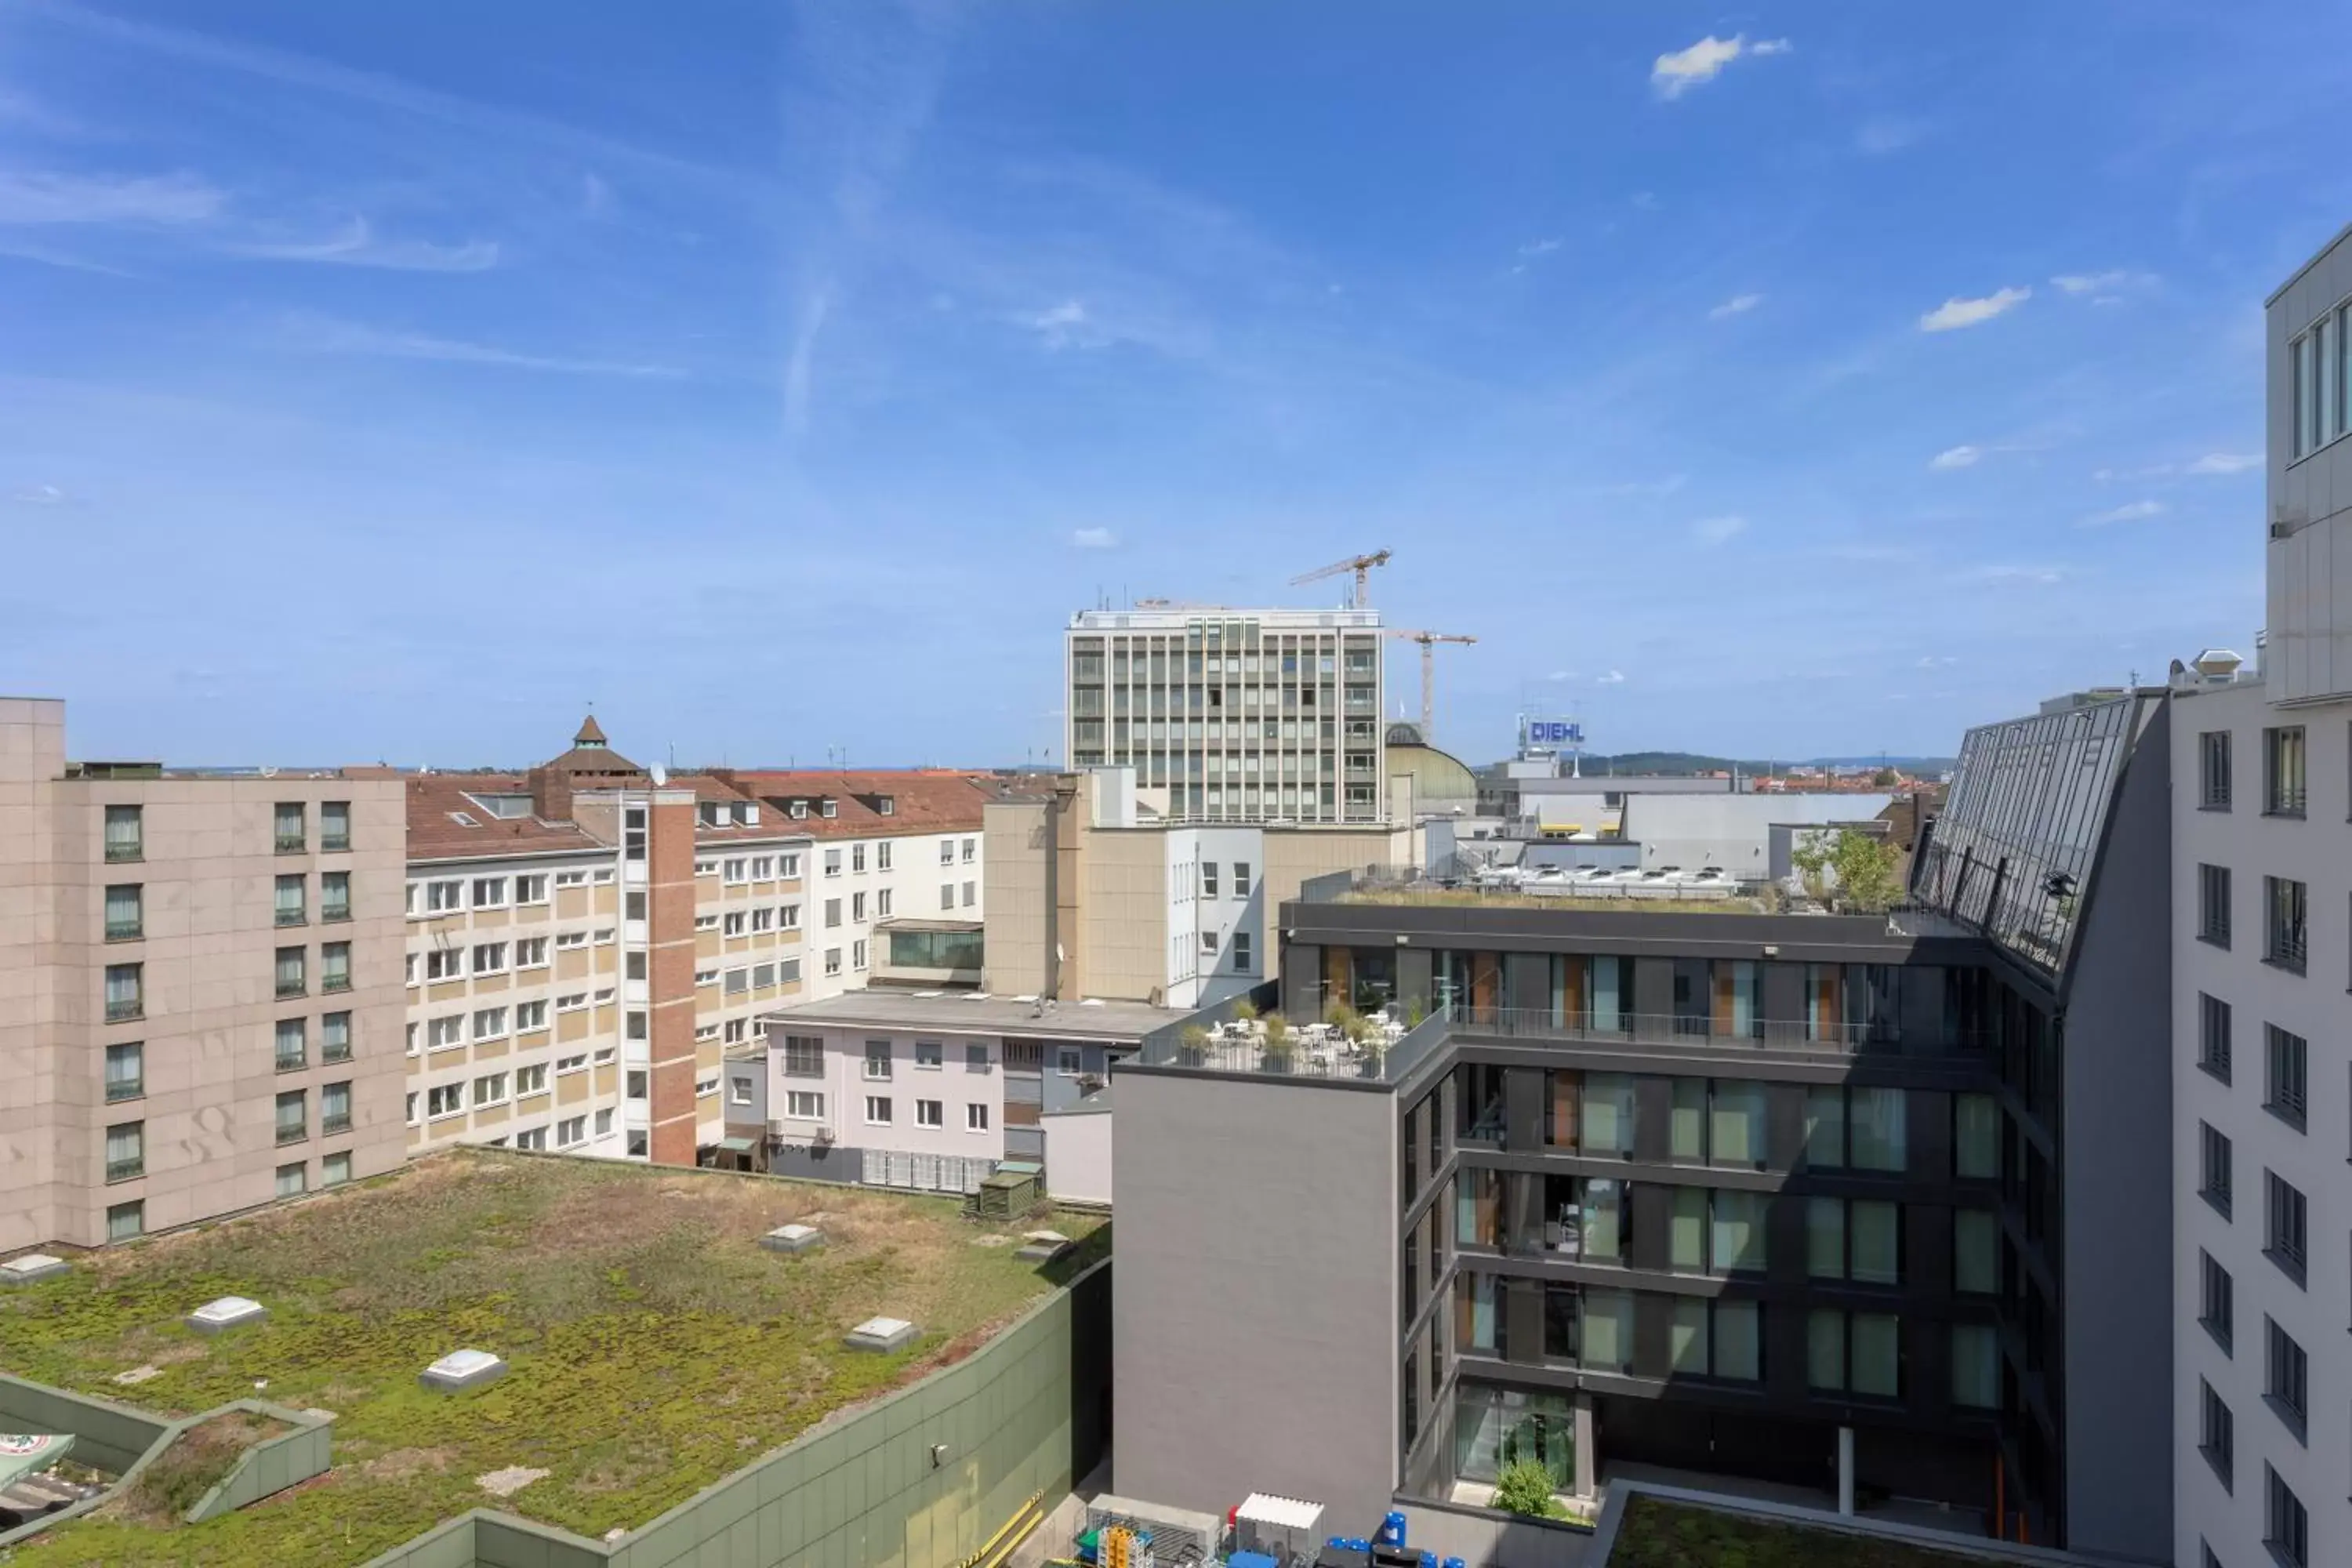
(2261, 1026)
(1232, 715)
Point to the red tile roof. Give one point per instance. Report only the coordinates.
(435, 801)
(922, 800)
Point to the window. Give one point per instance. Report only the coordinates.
(126, 1151)
(736, 982)
(929, 1055)
(2213, 905)
(790, 916)
(489, 1023)
(857, 907)
(444, 963)
(293, 1181)
(2217, 1308)
(1976, 1366)
(334, 966)
(882, 850)
(335, 1037)
(489, 957)
(2283, 774)
(334, 895)
(877, 1060)
(531, 1138)
(2287, 1080)
(634, 1026)
(293, 1116)
(739, 1091)
(531, 1080)
(292, 965)
(446, 1030)
(126, 1071)
(570, 878)
(832, 862)
(929, 1114)
(292, 839)
(2285, 1225)
(530, 888)
(789, 868)
(803, 1056)
(125, 992)
(411, 1108)
(947, 851)
(877, 1110)
(442, 898)
(567, 939)
(335, 1169)
(2217, 1434)
(1861, 1352)
(2283, 922)
(970, 894)
(634, 1083)
(292, 1050)
(832, 961)
(731, 922)
(803, 1105)
(975, 1118)
(1241, 879)
(491, 1089)
(975, 1059)
(2213, 766)
(947, 895)
(1208, 878)
(571, 1130)
(578, 1062)
(763, 919)
(857, 857)
(2213, 1036)
(832, 913)
(126, 837)
(2213, 1180)
(2286, 1386)
(604, 936)
(531, 952)
(2286, 1527)
(971, 851)
(124, 1221)
(334, 1109)
(290, 907)
(763, 867)
(882, 904)
(1875, 1129)
(1069, 1061)
(705, 922)
(126, 919)
(857, 955)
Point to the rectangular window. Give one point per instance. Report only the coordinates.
(1875, 1241)
(877, 1110)
(491, 1089)
(971, 851)
(1208, 878)
(2286, 1377)
(831, 914)
(2283, 771)
(126, 919)
(124, 1221)
(1875, 1129)
(1241, 958)
(289, 908)
(1825, 1237)
(445, 1031)
(947, 851)
(2213, 905)
(2217, 1436)
(803, 1105)
(1976, 1252)
(930, 1113)
(1875, 1355)
(293, 1181)
(444, 963)
(947, 895)
(2217, 1309)
(1976, 1137)
(930, 1054)
(1976, 1366)
(334, 966)
(2213, 765)
(975, 1118)
(531, 952)
(2213, 1177)
(444, 897)
(803, 1056)
(1826, 1129)
(334, 1109)
(489, 957)
(335, 1169)
(291, 838)
(126, 834)
(975, 1059)
(292, 1050)
(2286, 1227)
(2213, 1036)
(334, 826)
(293, 1116)
(334, 895)
(292, 969)
(2286, 1527)
(2286, 1075)
(126, 1151)
(489, 1023)
(877, 1060)
(970, 894)
(857, 955)
(126, 1071)
(1241, 879)
(530, 888)
(531, 1079)
(2284, 933)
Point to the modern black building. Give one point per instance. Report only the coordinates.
(1869, 1204)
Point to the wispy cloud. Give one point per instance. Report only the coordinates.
(356, 244)
(37, 196)
(1956, 458)
(1672, 75)
(2005, 576)
(1536, 248)
(1561, 675)
(2226, 463)
(2102, 282)
(1614, 678)
(1738, 305)
(327, 334)
(1094, 538)
(38, 495)
(1714, 530)
(1885, 134)
(1064, 326)
(1937, 661)
(47, 257)
(1664, 486)
(2131, 512)
(1961, 312)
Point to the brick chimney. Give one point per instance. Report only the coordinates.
(551, 794)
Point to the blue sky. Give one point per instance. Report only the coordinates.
(389, 381)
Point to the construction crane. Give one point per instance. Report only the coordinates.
(1361, 565)
(1429, 641)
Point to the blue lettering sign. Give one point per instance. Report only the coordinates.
(1555, 733)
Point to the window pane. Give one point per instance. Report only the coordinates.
(1739, 1240)
(1736, 1128)
(1686, 1336)
(1826, 1238)
(1738, 1339)
(1608, 1114)
(1826, 1350)
(1877, 1355)
(1877, 1242)
(1686, 1232)
(1825, 1128)
(1687, 1139)
(1976, 1366)
(1976, 1251)
(1604, 1219)
(1976, 1136)
(1879, 1143)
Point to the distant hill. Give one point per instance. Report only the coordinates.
(1696, 763)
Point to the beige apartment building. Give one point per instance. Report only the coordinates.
(200, 1001)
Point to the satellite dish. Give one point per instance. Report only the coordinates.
(661, 775)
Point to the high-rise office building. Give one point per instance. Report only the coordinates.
(1232, 715)
(2262, 883)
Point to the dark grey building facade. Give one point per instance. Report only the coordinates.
(1870, 1203)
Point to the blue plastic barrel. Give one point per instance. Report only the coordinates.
(1391, 1531)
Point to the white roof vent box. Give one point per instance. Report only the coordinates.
(463, 1369)
(227, 1312)
(793, 1238)
(2216, 663)
(882, 1335)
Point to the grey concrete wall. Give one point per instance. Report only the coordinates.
(1488, 1539)
(1258, 1333)
(2118, 1180)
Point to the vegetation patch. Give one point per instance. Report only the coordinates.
(655, 1346)
(199, 1459)
(1657, 1534)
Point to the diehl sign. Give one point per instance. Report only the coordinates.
(1554, 732)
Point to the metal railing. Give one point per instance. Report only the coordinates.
(117, 1010)
(1659, 1029)
(292, 915)
(334, 843)
(292, 1061)
(1309, 1050)
(331, 1125)
(333, 982)
(2285, 799)
(294, 987)
(292, 843)
(119, 851)
(126, 1170)
(125, 931)
(293, 1132)
(335, 1053)
(126, 1089)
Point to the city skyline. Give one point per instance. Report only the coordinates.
(1823, 414)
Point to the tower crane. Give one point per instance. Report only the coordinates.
(1361, 565)
(1429, 641)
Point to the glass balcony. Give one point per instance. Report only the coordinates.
(119, 1008)
(130, 929)
(331, 1125)
(126, 1170)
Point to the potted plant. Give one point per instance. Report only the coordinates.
(1414, 1013)
(1277, 1044)
(1192, 1044)
(1246, 1011)
(1524, 1487)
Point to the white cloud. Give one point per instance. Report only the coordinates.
(2131, 512)
(1614, 678)
(1064, 326)
(1884, 135)
(2019, 576)
(595, 195)
(1937, 661)
(1561, 675)
(1959, 312)
(2226, 463)
(2102, 282)
(1738, 305)
(1673, 75)
(1714, 530)
(48, 198)
(1094, 538)
(1536, 248)
(326, 334)
(356, 244)
(1956, 458)
(39, 495)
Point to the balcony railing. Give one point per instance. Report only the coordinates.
(292, 843)
(2285, 799)
(332, 1052)
(334, 913)
(333, 843)
(291, 916)
(333, 982)
(126, 1170)
(292, 1061)
(117, 1009)
(125, 931)
(2288, 947)
(120, 851)
(125, 1089)
(331, 1125)
(294, 1132)
(1842, 1037)
(294, 987)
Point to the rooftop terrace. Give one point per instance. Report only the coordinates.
(655, 1346)
(1661, 1535)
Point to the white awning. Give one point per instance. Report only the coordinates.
(1282, 1512)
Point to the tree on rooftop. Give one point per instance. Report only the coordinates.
(1524, 1487)
(1847, 869)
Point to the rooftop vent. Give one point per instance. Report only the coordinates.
(463, 1369)
(793, 1238)
(2216, 663)
(33, 1265)
(882, 1335)
(1044, 1247)
(226, 1314)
